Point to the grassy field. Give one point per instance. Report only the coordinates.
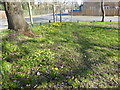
(63, 55)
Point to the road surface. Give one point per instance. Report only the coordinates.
(65, 18)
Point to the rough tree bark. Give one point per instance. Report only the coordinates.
(16, 19)
(103, 10)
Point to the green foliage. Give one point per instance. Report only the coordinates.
(1, 7)
(6, 66)
(65, 55)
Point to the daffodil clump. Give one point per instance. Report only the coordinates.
(58, 24)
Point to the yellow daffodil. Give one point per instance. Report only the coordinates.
(28, 85)
(56, 68)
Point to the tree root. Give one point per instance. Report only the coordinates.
(29, 34)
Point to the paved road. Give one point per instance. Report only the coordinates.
(65, 18)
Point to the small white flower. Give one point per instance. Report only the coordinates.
(38, 73)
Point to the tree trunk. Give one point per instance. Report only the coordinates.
(60, 14)
(53, 7)
(103, 11)
(72, 12)
(119, 15)
(16, 19)
(30, 13)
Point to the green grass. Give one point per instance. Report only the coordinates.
(63, 55)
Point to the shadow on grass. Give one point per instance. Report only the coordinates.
(82, 70)
(61, 79)
(100, 27)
